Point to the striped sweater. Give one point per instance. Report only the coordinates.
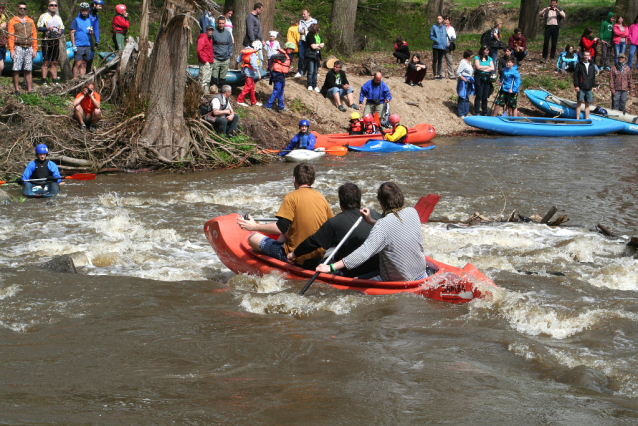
(399, 244)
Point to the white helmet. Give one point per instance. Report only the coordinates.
(257, 45)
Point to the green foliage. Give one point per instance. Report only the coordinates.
(52, 104)
(299, 107)
(547, 82)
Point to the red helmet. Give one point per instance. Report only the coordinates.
(394, 119)
(120, 8)
(368, 118)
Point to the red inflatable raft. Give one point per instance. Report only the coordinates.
(448, 284)
(420, 134)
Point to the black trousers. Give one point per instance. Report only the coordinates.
(483, 91)
(437, 61)
(400, 56)
(551, 33)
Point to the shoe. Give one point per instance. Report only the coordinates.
(309, 87)
(17, 93)
(259, 104)
(298, 75)
(420, 84)
(354, 106)
(242, 104)
(83, 128)
(318, 90)
(44, 82)
(56, 82)
(284, 110)
(407, 61)
(411, 84)
(452, 78)
(93, 128)
(542, 61)
(342, 108)
(269, 109)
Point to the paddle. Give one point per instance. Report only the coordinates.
(329, 259)
(425, 205)
(77, 176)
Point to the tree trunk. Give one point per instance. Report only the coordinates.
(528, 20)
(241, 9)
(140, 74)
(63, 60)
(267, 19)
(628, 9)
(344, 14)
(434, 8)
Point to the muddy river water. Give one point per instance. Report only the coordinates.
(155, 330)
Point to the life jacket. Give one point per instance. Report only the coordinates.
(303, 140)
(356, 127)
(370, 128)
(404, 139)
(41, 170)
(282, 67)
(246, 53)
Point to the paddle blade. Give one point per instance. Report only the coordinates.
(270, 151)
(425, 205)
(2, 182)
(339, 151)
(81, 176)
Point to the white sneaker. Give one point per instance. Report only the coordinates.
(309, 87)
(242, 104)
(297, 75)
(317, 90)
(259, 104)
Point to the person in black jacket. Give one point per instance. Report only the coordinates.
(335, 229)
(585, 83)
(401, 51)
(336, 85)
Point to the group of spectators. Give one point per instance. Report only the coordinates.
(21, 36)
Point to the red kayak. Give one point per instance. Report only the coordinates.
(448, 284)
(420, 134)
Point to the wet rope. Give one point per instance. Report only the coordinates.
(499, 187)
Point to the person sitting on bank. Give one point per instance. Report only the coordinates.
(396, 237)
(301, 214)
(503, 60)
(356, 124)
(336, 86)
(510, 84)
(40, 168)
(567, 60)
(302, 140)
(87, 108)
(415, 71)
(222, 116)
(401, 50)
(335, 229)
(280, 67)
(399, 133)
(518, 44)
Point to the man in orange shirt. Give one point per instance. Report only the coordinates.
(87, 108)
(23, 45)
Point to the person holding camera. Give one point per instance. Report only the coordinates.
(86, 108)
(50, 24)
(81, 31)
(376, 93)
(553, 17)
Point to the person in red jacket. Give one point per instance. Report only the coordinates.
(205, 56)
(588, 44)
(119, 26)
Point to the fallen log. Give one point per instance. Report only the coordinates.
(633, 242)
(559, 221)
(604, 230)
(549, 214)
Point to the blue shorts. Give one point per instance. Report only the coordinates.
(344, 92)
(83, 53)
(585, 95)
(273, 248)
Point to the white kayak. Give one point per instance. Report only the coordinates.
(301, 155)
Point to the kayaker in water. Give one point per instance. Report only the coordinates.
(40, 168)
(300, 215)
(396, 237)
(333, 230)
(302, 140)
(399, 132)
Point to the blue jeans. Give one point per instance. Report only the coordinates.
(342, 92)
(618, 49)
(632, 51)
(464, 106)
(301, 69)
(27, 189)
(312, 68)
(277, 95)
(567, 66)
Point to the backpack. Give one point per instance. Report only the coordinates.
(486, 37)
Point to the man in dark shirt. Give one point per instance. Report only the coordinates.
(334, 229)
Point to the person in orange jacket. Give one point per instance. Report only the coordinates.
(23, 46)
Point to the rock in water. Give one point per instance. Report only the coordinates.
(4, 198)
(62, 264)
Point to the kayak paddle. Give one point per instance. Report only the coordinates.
(329, 259)
(77, 176)
(425, 205)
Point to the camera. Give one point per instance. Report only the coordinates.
(88, 92)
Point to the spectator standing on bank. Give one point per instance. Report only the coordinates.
(553, 16)
(23, 49)
(465, 84)
(621, 34)
(304, 26)
(415, 71)
(496, 41)
(280, 66)
(518, 44)
(96, 6)
(588, 43)
(250, 69)
(633, 39)
(606, 36)
(253, 31)
(312, 50)
(271, 46)
(484, 66)
(205, 57)
(585, 83)
(293, 36)
(502, 61)
(450, 47)
(620, 83)
(401, 51)
(206, 20)
(228, 25)
(51, 26)
(438, 34)
(119, 26)
(222, 51)
(3, 34)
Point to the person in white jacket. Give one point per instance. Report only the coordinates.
(271, 47)
(449, 58)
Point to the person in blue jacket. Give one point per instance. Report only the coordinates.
(40, 168)
(80, 39)
(96, 6)
(376, 93)
(510, 84)
(438, 34)
(567, 60)
(302, 140)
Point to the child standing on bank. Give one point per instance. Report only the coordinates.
(250, 69)
(508, 95)
(271, 47)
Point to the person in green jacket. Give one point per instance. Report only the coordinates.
(606, 34)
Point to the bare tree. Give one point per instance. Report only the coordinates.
(344, 15)
(267, 17)
(434, 8)
(528, 20)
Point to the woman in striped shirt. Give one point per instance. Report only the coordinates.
(396, 237)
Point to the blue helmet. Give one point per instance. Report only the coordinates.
(41, 149)
(304, 122)
(98, 2)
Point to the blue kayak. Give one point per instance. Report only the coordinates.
(555, 106)
(545, 127)
(381, 146)
(233, 77)
(37, 62)
(40, 191)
